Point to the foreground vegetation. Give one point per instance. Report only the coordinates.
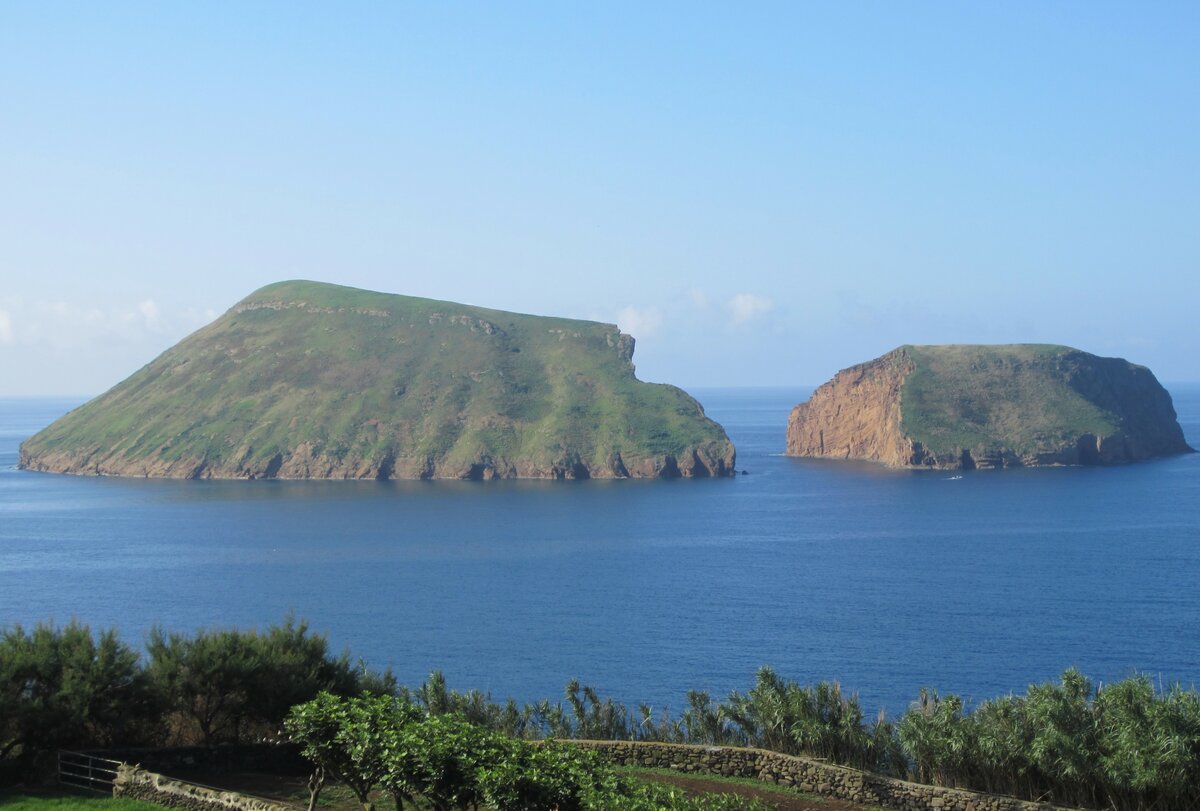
(67, 801)
(779, 795)
(1125, 746)
(445, 762)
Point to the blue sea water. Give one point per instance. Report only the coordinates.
(885, 580)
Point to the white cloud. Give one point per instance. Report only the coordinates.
(746, 306)
(150, 314)
(640, 322)
(65, 325)
(698, 298)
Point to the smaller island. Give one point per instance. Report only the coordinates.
(988, 406)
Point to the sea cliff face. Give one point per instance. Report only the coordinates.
(311, 381)
(305, 463)
(855, 416)
(966, 407)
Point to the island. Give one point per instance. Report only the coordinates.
(988, 406)
(305, 380)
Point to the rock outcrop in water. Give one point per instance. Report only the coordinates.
(968, 406)
(306, 380)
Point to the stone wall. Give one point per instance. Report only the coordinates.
(139, 784)
(814, 776)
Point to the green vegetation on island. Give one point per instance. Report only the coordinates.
(310, 380)
(1017, 396)
(968, 406)
(1125, 746)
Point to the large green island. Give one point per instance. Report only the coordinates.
(308, 380)
(988, 406)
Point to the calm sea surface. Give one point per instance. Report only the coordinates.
(884, 580)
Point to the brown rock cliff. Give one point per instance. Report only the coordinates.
(855, 416)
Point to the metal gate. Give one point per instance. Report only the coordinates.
(86, 771)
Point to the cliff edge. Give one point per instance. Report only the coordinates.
(306, 380)
(976, 406)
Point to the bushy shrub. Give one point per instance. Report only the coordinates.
(229, 686)
(445, 762)
(67, 687)
(1123, 746)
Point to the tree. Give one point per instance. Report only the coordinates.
(62, 687)
(1064, 746)
(446, 754)
(205, 680)
(934, 732)
(232, 685)
(705, 723)
(1002, 743)
(1149, 745)
(352, 740)
(528, 777)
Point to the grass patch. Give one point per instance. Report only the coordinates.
(648, 773)
(761, 787)
(68, 800)
(1015, 396)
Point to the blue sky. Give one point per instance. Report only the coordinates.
(761, 193)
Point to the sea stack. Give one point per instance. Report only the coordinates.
(980, 406)
(306, 380)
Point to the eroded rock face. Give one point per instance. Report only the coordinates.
(304, 464)
(968, 407)
(855, 416)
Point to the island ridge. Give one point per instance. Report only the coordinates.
(309, 380)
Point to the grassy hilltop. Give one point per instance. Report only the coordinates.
(303, 379)
(988, 406)
(1017, 396)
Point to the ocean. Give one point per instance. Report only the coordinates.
(887, 581)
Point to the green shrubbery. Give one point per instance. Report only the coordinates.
(445, 762)
(234, 686)
(69, 688)
(60, 687)
(70, 801)
(1126, 746)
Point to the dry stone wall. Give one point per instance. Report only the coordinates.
(808, 775)
(139, 784)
